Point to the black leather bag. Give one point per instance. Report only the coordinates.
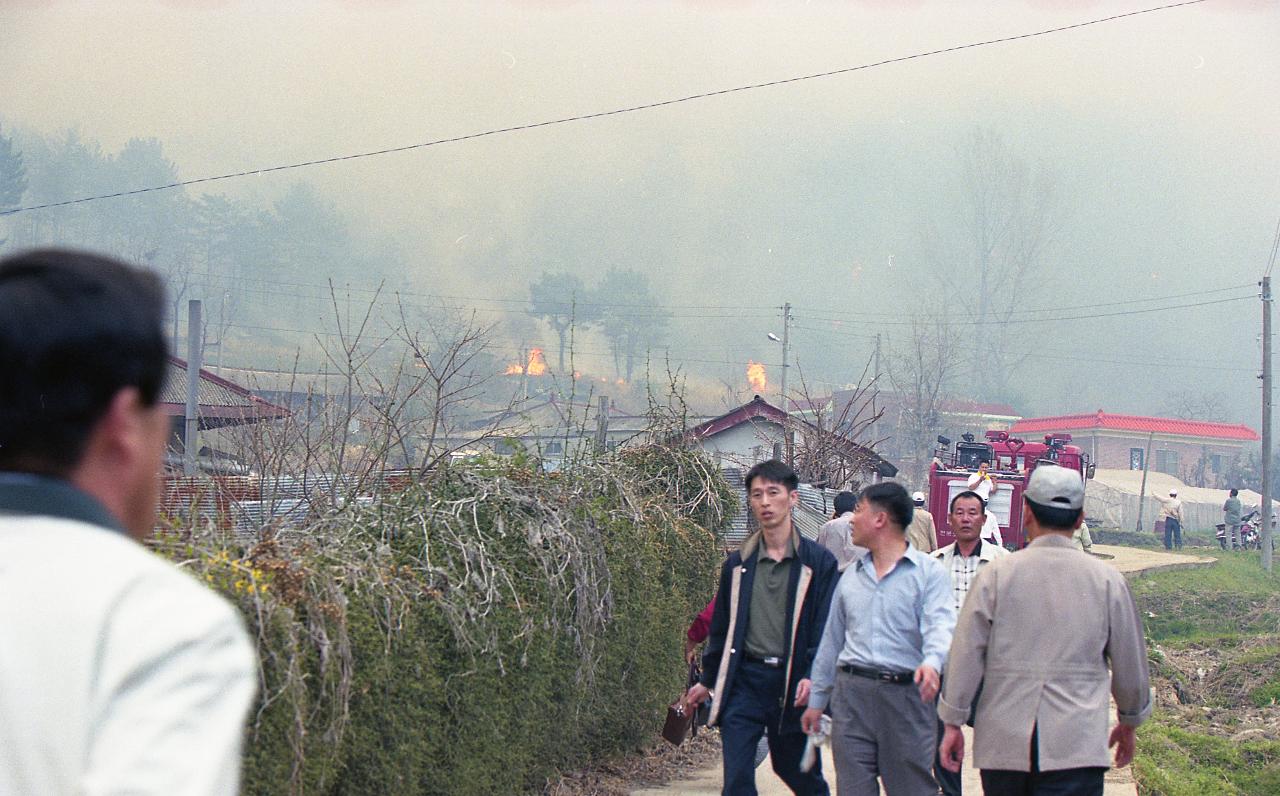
(682, 722)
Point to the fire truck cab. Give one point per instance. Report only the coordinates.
(1010, 461)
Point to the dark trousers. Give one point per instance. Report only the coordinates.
(754, 707)
(1172, 534)
(949, 782)
(1066, 782)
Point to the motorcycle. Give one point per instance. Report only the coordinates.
(1250, 537)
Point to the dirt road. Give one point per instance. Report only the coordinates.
(706, 782)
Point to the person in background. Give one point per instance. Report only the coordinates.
(119, 672)
(985, 484)
(837, 534)
(922, 533)
(1082, 539)
(1231, 511)
(1171, 513)
(698, 631)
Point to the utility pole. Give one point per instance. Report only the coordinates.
(877, 374)
(1142, 493)
(191, 429)
(786, 346)
(602, 423)
(1266, 423)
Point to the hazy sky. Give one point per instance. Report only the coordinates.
(1160, 132)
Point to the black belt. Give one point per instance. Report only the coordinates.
(876, 674)
(771, 662)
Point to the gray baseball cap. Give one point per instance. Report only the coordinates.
(1055, 487)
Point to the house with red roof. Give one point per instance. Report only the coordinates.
(1198, 452)
(758, 430)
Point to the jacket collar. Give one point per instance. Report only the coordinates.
(752, 542)
(1054, 540)
(986, 551)
(38, 495)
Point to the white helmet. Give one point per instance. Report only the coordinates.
(918, 497)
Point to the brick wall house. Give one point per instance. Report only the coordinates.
(1197, 452)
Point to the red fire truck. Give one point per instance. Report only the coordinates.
(1010, 461)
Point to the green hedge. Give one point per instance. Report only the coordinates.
(476, 634)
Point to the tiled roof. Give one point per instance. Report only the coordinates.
(759, 408)
(218, 398)
(1136, 423)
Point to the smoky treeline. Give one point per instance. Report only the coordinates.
(259, 267)
(285, 272)
(273, 274)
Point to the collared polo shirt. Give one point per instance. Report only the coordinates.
(767, 620)
(963, 570)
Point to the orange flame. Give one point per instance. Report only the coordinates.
(755, 375)
(513, 370)
(537, 365)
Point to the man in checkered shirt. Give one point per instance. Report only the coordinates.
(962, 559)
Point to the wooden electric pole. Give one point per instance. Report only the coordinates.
(1265, 534)
(1142, 492)
(191, 429)
(877, 373)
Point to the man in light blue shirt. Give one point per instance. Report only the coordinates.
(889, 627)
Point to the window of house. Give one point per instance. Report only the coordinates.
(1136, 456)
(1215, 462)
(1167, 462)
(554, 448)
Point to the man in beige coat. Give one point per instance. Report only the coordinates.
(922, 533)
(1037, 631)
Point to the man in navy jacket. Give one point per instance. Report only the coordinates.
(768, 621)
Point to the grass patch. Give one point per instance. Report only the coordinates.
(1194, 539)
(1213, 638)
(1175, 762)
(1211, 604)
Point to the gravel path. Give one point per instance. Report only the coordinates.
(706, 782)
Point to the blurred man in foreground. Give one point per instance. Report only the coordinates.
(119, 673)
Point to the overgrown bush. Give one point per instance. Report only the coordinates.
(474, 633)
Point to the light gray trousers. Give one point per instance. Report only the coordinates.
(885, 730)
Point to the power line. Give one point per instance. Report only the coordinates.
(339, 288)
(600, 114)
(665, 309)
(823, 315)
(506, 350)
(1000, 322)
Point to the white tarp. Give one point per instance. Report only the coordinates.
(1111, 497)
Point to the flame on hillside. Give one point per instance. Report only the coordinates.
(756, 376)
(536, 366)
